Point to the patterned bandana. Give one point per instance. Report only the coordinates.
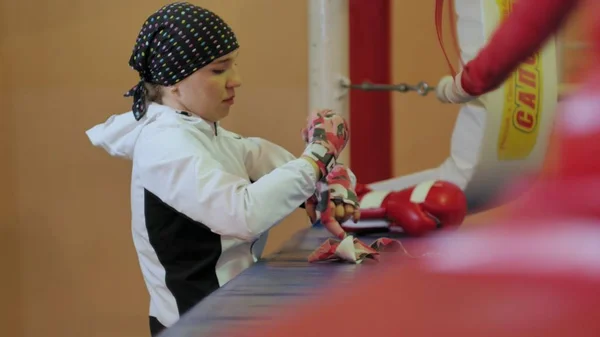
(174, 42)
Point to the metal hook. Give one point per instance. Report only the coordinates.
(421, 88)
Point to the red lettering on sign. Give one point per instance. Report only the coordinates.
(527, 77)
(527, 99)
(524, 119)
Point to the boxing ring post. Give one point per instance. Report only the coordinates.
(328, 62)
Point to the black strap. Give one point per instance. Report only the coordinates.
(139, 93)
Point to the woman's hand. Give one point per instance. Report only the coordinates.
(335, 200)
(325, 135)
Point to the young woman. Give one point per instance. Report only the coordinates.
(523, 32)
(203, 198)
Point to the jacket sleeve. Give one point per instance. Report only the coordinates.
(264, 156)
(524, 31)
(182, 172)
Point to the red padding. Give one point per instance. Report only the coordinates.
(370, 111)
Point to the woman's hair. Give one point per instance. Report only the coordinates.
(155, 92)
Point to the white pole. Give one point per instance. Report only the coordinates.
(328, 63)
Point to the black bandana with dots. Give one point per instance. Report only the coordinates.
(174, 42)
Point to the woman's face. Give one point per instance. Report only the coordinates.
(209, 92)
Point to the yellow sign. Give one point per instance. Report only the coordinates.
(522, 104)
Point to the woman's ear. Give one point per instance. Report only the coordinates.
(174, 90)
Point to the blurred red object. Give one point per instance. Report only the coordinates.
(578, 130)
(493, 282)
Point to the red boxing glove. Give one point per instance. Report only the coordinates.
(416, 210)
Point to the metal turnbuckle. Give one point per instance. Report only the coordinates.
(421, 88)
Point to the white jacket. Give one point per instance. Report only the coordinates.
(202, 200)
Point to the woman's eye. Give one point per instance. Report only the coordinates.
(218, 71)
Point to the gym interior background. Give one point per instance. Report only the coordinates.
(69, 268)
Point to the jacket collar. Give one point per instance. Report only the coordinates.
(196, 121)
